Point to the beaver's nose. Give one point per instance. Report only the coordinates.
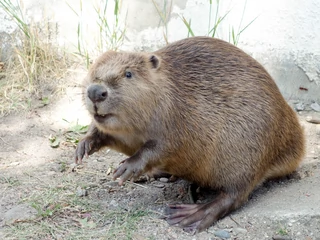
(97, 93)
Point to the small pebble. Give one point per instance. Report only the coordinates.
(315, 106)
(81, 192)
(158, 185)
(72, 166)
(111, 184)
(222, 234)
(318, 130)
(238, 231)
(93, 185)
(14, 164)
(300, 107)
(164, 180)
(315, 120)
(51, 173)
(279, 237)
(113, 203)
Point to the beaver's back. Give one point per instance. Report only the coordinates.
(237, 127)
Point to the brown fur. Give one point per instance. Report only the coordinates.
(200, 109)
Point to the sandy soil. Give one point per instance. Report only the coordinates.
(44, 196)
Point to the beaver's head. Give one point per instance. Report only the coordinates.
(120, 90)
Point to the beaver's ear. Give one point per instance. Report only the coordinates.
(155, 61)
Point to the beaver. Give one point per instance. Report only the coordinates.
(200, 109)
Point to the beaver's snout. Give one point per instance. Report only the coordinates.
(97, 93)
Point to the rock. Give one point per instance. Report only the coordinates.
(279, 237)
(313, 120)
(92, 185)
(239, 231)
(164, 180)
(113, 203)
(81, 192)
(300, 107)
(138, 237)
(318, 130)
(158, 185)
(14, 164)
(72, 166)
(222, 234)
(51, 173)
(111, 184)
(315, 106)
(19, 212)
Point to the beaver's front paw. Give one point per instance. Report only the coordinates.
(86, 147)
(128, 169)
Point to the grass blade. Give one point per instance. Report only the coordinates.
(188, 25)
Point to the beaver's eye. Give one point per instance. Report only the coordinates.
(128, 74)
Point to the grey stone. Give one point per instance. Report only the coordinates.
(158, 185)
(300, 106)
(279, 237)
(239, 231)
(222, 234)
(81, 192)
(19, 212)
(111, 184)
(164, 180)
(113, 203)
(315, 106)
(315, 120)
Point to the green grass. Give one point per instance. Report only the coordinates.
(62, 214)
(217, 20)
(164, 15)
(69, 137)
(234, 33)
(111, 31)
(283, 231)
(82, 49)
(75, 132)
(124, 223)
(10, 181)
(34, 64)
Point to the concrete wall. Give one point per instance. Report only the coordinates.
(285, 37)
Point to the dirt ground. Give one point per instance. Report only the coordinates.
(43, 195)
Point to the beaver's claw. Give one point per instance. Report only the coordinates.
(84, 148)
(128, 169)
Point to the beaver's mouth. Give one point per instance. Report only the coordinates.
(101, 117)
